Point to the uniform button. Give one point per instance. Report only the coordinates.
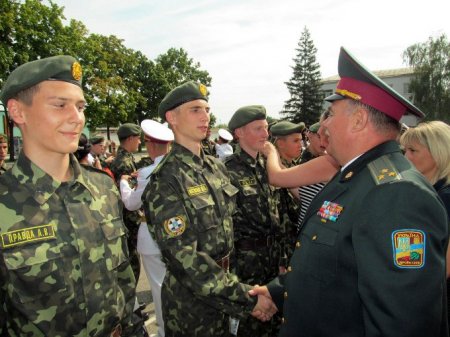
(282, 320)
(314, 238)
(298, 244)
(285, 294)
(289, 269)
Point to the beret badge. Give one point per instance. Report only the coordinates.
(202, 89)
(76, 71)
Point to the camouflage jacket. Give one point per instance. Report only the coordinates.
(188, 205)
(2, 169)
(124, 163)
(64, 267)
(257, 214)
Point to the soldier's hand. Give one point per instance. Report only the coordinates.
(265, 308)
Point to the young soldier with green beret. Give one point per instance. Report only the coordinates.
(64, 268)
(370, 257)
(3, 153)
(188, 205)
(287, 138)
(259, 239)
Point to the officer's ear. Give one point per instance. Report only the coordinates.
(15, 111)
(360, 118)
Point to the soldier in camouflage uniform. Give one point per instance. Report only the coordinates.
(3, 152)
(64, 268)
(258, 236)
(188, 205)
(124, 164)
(287, 138)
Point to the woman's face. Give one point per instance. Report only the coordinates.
(422, 159)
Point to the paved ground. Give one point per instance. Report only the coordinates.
(144, 295)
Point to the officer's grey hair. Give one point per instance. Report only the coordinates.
(382, 122)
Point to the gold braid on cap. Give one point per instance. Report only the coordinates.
(347, 93)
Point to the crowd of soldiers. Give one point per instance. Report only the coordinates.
(283, 238)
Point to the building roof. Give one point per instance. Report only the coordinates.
(380, 73)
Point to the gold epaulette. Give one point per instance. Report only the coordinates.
(383, 170)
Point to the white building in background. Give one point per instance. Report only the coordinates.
(398, 79)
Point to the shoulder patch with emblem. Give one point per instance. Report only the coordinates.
(175, 226)
(383, 170)
(409, 248)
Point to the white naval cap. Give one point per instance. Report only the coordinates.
(225, 134)
(157, 132)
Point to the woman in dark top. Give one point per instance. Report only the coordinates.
(427, 147)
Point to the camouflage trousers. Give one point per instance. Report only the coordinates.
(257, 267)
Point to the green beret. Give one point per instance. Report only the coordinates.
(128, 129)
(59, 68)
(246, 115)
(314, 128)
(285, 128)
(189, 91)
(96, 139)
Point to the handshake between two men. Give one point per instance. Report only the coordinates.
(265, 308)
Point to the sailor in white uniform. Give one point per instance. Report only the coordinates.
(223, 149)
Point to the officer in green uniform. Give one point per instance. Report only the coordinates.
(188, 205)
(3, 153)
(64, 268)
(370, 258)
(258, 235)
(287, 138)
(129, 135)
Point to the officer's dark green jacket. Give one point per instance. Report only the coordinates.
(64, 267)
(188, 205)
(370, 258)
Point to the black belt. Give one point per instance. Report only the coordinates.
(224, 263)
(257, 243)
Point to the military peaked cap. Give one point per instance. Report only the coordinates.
(245, 115)
(362, 85)
(156, 132)
(189, 91)
(55, 68)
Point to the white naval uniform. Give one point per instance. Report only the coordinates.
(154, 268)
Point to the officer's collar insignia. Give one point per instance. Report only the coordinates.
(175, 226)
(247, 182)
(202, 89)
(197, 190)
(28, 235)
(330, 211)
(76, 71)
(409, 248)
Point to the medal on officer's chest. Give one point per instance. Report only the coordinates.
(330, 211)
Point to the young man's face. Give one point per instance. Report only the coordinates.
(253, 136)
(190, 121)
(98, 148)
(54, 120)
(290, 146)
(3, 151)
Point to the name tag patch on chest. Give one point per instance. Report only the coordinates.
(409, 248)
(175, 226)
(330, 211)
(26, 235)
(197, 190)
(247, 182)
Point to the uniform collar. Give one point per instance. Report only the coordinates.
(361, 162)
(41, 185)
(247, 159)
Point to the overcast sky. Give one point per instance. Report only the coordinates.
(247, 46)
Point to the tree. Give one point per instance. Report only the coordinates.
(430, 85)
(306, 99)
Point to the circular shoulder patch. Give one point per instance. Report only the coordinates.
(175, 226)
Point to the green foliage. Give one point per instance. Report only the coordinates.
(120, 84)
(431, 83)
(306, 99)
